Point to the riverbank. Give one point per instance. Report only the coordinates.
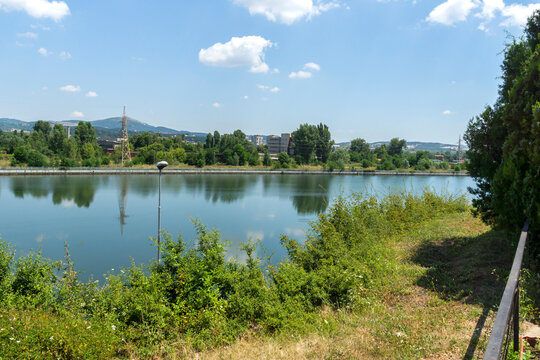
(388, 279)
(236, 171)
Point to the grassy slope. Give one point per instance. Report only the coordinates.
(439, 307)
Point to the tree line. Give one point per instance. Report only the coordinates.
(49, 145)
(504, 142)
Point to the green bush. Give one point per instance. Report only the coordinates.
(36, 159)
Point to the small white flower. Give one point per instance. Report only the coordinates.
(52, 337)
(113, 327)
(122, 271)
(18, 341)
(11, 339)
(88, 327)
(2, 329)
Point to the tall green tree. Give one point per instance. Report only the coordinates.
(396, 147)
(504, 140)
(209, 141)
(305, 142)
(312, 142)
(85, 133)
(217, 138)
(324, 143)
(43, 127)
(360, 151)
(57, 139)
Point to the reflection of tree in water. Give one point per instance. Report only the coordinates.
(37, 187)
(216, 188)
(311, 194)
(144, 185)
(79, 189)
(221, 188)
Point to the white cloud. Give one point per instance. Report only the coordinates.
(70, 88)
(55, 10)
(451, 11)
(216, 105)
(274, 89)
(298, 232)
(255, 235)
(239, 51)
(517, 14)
(77, 114)
(489, 7)
(39, 26)
(44, 52)
(64, 55)
(287, 11)
(447, 112)
(300, 75)
(29, 35)
(91, 94)
(246, 97)
(312, 66)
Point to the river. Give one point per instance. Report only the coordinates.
(107, 220)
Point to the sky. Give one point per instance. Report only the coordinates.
(413, 69)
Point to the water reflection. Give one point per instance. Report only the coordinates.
(79, 190)
(221, 188)
(309, 194)
(112, 217)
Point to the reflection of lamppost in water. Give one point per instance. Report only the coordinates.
(160, 165)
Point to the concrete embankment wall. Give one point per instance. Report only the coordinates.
(184, 171)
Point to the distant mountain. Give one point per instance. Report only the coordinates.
(106, 126)
(13, 124)
(418, 145)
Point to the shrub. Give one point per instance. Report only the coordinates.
(36, 159)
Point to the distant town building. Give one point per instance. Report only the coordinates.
(257, 140)
(285, 142)
(277, 144)
(274, 144)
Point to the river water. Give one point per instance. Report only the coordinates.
(108, 220)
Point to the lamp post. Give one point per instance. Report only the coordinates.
(160, 165)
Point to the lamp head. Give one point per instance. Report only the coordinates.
(162, 164)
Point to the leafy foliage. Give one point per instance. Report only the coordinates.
(504, 140)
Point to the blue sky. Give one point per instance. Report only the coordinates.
(414, 69)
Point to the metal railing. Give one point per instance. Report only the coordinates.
(506, 326)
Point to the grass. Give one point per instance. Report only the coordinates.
(439, 305)
(405, 277)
